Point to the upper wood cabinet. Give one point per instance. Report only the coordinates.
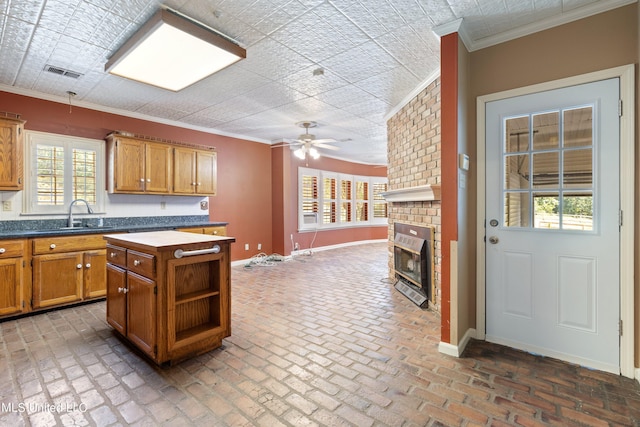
(140, 166)
(194, 171)
(11, 153)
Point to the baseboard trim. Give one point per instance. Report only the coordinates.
(457, 350)
(638, 375)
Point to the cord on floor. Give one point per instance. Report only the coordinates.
(264, 260)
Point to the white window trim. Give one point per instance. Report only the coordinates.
(320, 175)
(32, 138)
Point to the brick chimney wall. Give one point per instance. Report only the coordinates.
(414, 159)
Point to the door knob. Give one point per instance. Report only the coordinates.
(493, 240)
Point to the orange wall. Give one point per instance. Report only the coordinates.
(257, 185)
(287, 211)
(244, 167)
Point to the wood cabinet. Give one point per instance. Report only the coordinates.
(138, 166)
(219, 230)
(168, 292)
(67, 269)
(195, 171)
(131, 296)
(11, 154)
(12, 266)
(142, 166)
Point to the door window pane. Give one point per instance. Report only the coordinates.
(546, 170)
(578, 169)
(516, 210)
(546, 134)
(578, 127)
(516, 174)
(546, 208)
(577, 211)
(517, 135)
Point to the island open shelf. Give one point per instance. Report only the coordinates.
(170, 293)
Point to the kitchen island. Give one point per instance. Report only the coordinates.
(168, 292)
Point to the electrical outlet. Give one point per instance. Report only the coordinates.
(259, 246)
(163, 205)
(246, 246)
(204, 205)
(6, 205)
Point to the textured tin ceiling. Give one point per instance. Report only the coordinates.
(373, 55)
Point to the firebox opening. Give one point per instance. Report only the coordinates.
(412, 258)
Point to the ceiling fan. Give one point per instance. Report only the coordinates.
(307, 142)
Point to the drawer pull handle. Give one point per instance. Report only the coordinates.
(137, 262)
(88, 265)
(2, 250)
(79, 266)
(113, 254)
(179, 253)
(52, 246)
(123, 290)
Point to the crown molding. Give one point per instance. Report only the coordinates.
(131, 114)
(551, 22)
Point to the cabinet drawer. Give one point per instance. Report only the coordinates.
(11, 248)
(212, 231)
(216, 231)
(141, 263)
(51, 245)
(116, 255)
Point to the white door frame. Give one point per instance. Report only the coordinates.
(626, 75)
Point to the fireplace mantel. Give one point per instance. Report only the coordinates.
(421, 193)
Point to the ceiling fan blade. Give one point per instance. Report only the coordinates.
(287, 143)
(321, 141)
(325, 146)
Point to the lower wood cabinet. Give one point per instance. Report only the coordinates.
(131, 307)
(12, 280)
(57, 279)
(168, 292)
(68, 269)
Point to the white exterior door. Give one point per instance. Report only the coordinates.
(552, 223)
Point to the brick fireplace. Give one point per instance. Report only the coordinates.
(414, 169)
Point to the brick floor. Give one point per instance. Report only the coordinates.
(322, 340)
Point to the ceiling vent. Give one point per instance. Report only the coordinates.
(62, 71)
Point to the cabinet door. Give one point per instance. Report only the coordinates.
(184, 176)
(157, 168)
(129, 165)
(141, 312)
(11, 164)
(95, 274)
(57, 279)
(206, 173)
(117, 298)
(11, 282)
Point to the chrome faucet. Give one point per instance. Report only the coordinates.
(70, 220)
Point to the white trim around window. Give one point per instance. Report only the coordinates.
(329, 200)
(66, 146)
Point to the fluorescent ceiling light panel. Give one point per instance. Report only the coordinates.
(173, 52)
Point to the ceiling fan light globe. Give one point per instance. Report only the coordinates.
(314, 153)
(299, 153)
